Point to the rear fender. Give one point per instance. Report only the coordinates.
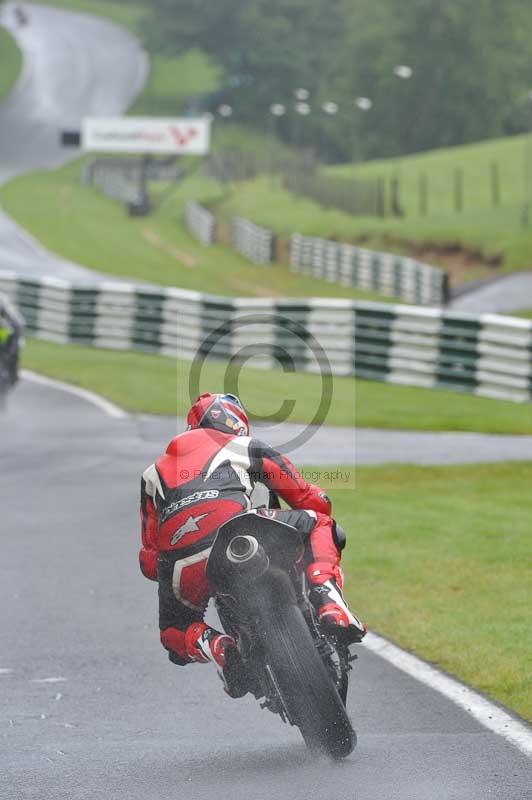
(282, 544)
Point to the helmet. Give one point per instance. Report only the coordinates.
(223, 412)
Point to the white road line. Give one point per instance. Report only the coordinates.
(84, 394)
(5, 670)
(48, 680)
(487, 713)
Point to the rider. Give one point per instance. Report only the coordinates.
(11, 327)
(206, 477)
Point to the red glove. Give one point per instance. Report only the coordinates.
(148, 563)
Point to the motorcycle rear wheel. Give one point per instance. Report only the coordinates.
(306, 687)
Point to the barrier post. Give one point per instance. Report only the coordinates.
(495, 184)
(458, 190)
(423, 195)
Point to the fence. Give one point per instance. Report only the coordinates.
(250, 240)
(356, 197)
(118, 180)
(237, 165)
(383, 273)
(253, 242)
(200, 223)
(126, 179)
(486, 355)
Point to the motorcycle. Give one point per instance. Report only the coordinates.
(5, 384)
(8, 373)
(21, 16)
(296, 667)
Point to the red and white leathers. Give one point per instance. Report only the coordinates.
(204, 478)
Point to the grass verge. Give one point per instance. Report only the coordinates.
(439, 560)
(129, 15)
(173, 81)
(488, 179)
(10, 63)
(526, 313)
(159, 385)
(463, 243)
(81, 224)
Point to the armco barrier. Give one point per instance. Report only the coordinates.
(114, 180)
(201, 223)
(487, 354)
(126, 179)
(252, 241)
(384, 273)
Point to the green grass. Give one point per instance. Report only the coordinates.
(159, 385)
(526, 313)
(475, 160)
(494, 230)
(264, 201)
(129, 15)
(10, 63)
(439, 560)
(83, 225)
(172, 81)
(483, 234)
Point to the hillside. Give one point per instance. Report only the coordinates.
(10, 63)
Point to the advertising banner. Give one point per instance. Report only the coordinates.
(188, 136)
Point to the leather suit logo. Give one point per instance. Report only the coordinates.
(190, 526)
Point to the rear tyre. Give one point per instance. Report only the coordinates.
(4, 387)
(308, 692)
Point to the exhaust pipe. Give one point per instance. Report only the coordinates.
(242, 549)
(245, 551)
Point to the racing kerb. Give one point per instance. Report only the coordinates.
(483, 354)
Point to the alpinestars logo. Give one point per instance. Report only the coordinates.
(190, 526)
(197, 497)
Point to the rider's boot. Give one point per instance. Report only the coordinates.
(204, 643)
(326, 596)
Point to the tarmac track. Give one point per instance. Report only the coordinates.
(502, 295)
(90, 707)
(123, 722)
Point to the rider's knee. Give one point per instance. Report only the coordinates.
(339, 536)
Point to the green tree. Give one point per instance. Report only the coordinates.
(267, 48)
(471, 66)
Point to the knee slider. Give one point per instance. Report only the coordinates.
(339, 536)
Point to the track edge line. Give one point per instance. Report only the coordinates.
(97, 400)
(487, 713)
